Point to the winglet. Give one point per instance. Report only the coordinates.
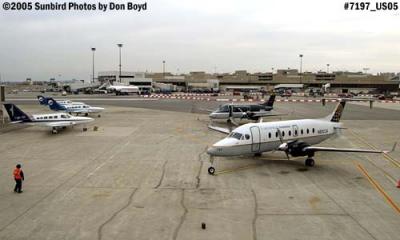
(393, 149)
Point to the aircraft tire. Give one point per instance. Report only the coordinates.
(211, 170)
(310, 162)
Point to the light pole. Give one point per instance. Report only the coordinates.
(163, 69)
(119, 46)
(327, 68)
(93, 50)
(301, 67)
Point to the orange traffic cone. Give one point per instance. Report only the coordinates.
(398, 184)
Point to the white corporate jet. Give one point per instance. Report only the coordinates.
(294, 137)
(55, 121)
(73, 108)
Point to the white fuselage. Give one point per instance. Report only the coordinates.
(255, 138)
(82, 108)
(53, 119)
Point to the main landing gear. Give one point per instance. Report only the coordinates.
(309, 162)
(54, 130)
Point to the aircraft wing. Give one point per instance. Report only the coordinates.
(59, 124)
(330, 149)
(267, 114)
(219, 129)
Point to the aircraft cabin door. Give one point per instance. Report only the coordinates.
(255, 138)
(295, 130)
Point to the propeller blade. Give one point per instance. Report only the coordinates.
(279, 135)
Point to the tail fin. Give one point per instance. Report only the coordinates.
(54, 105)
(16, 114)
(335, 116)
(42, 100)
(270, 101)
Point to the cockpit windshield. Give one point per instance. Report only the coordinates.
(235, 135)
(223, 108)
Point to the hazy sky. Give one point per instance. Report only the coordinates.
(255, 35)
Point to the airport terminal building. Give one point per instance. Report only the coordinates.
(339, 81)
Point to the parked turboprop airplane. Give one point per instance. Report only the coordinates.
(294, 137)
(249, 111)
(55, 121)
(44, 101)
(72, 108)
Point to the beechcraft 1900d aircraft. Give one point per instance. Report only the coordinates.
(55, 121)
(294, 137)
(248, 111)
(73, 108)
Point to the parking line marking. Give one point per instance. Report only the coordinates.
(379, 188)
(385, 155)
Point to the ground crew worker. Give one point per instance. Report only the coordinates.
(19, 177)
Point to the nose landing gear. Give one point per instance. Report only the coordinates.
(211, 170)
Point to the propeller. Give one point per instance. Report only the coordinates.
(284, 146)
(231, 120)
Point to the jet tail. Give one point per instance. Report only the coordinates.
(16, 114)
(42, 100)
(336, 115)
(270, 101)
(54, 105)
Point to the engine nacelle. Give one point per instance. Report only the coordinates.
(296, 149)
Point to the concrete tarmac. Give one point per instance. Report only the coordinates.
(143, 175)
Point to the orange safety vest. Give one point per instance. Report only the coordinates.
(17, 173)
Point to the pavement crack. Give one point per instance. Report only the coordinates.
(177, 229)
(101, 227)
(254, 226)
(162, 174)
(200, 167)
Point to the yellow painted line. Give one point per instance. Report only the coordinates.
(378, 187)
(385, 155)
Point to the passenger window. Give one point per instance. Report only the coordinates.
(301, 131)
(55, 117)
(45, 117)
(290, 133)
(276, 134)
(247, 136)
(283, 133)
(313, 130)
(308, 131)
(295, 132)
(269, 135)
(50, 117)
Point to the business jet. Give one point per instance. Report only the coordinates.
(122, 89)
(80, 108)
(294, 138)
(55, 121)
(44, 101)
(232, 111)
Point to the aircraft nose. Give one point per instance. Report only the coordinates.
(211, 151)
(212, 115)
